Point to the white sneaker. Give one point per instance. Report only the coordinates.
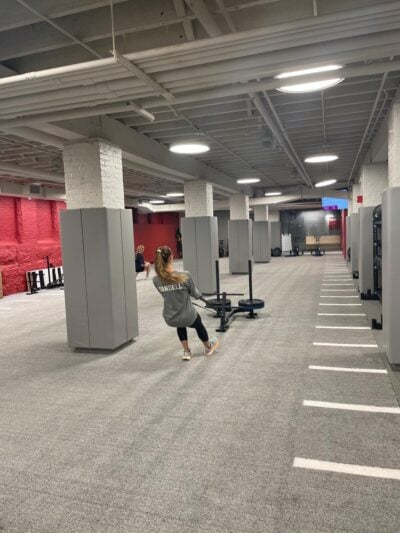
(214, 343)
(186, 356)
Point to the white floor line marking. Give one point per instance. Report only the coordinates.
(337, 284)
(353, 407)
(338, 296)
(342, 468)
(353, 305)
(342, 327)
(341, 314)
(27, 301)
(5, 308)
(345, 345)
(337, 290)
(349, 369)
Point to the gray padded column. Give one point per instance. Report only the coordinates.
(261, 241)
(348, 234)
(355, 238)
(200, 250)
(390, 273)
(366, 267)
(240, 245)
(100, 280)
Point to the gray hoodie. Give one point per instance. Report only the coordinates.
(178, 308)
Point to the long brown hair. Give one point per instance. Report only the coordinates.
(162, 259)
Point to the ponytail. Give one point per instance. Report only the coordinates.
(162, 259)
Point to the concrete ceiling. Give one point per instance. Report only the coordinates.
(203, 69)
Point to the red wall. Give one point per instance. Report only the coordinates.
(29, 231)
(155, 229)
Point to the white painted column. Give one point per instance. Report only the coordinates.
(198, 199)
(390, 241)
(98, 249)
(374, 180)
(239, 207)
(93, 174)
(240, 234)
(260, 213)
(200, 235)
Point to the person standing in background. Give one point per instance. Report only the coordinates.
(140, 264)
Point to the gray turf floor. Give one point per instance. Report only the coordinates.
(140, 441)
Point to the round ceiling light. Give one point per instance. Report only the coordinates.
(304, 72)
(321, 158)
(243, 181)
(156, 201)
(192, 147)
(325, 183)
(312, 85)
(175, 194)
(273, 193)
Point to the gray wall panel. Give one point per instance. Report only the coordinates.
(366, 267)
(261, 242)
(200, 250)
(128, 247)
(101, 286)
(348, 234)
(240, 245)
(276, 235)
(74, 278)
(355, 241)
(391, 272)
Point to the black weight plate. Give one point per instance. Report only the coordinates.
(217, 304)
(248, 305)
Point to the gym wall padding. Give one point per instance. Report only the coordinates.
(366, 261)
(390, 273)
(100, 281)
(240, 245)
(262, 241)
(29, 231)
(200, 250)
(355, 238)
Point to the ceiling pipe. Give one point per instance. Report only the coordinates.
(366, 131)
(268, 119)
(286, 136)
(29, 172)
(232, 90)
(286, 31)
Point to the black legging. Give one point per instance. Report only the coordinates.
(198, 326)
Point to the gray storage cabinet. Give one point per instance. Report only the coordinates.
(240, 245)
(366, 252)
(200, 250)
(261, 242)
(355, 241)
(391, 273)
(100, 278)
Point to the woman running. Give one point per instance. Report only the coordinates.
(176, 288)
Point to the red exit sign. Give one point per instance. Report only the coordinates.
(360, 199)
